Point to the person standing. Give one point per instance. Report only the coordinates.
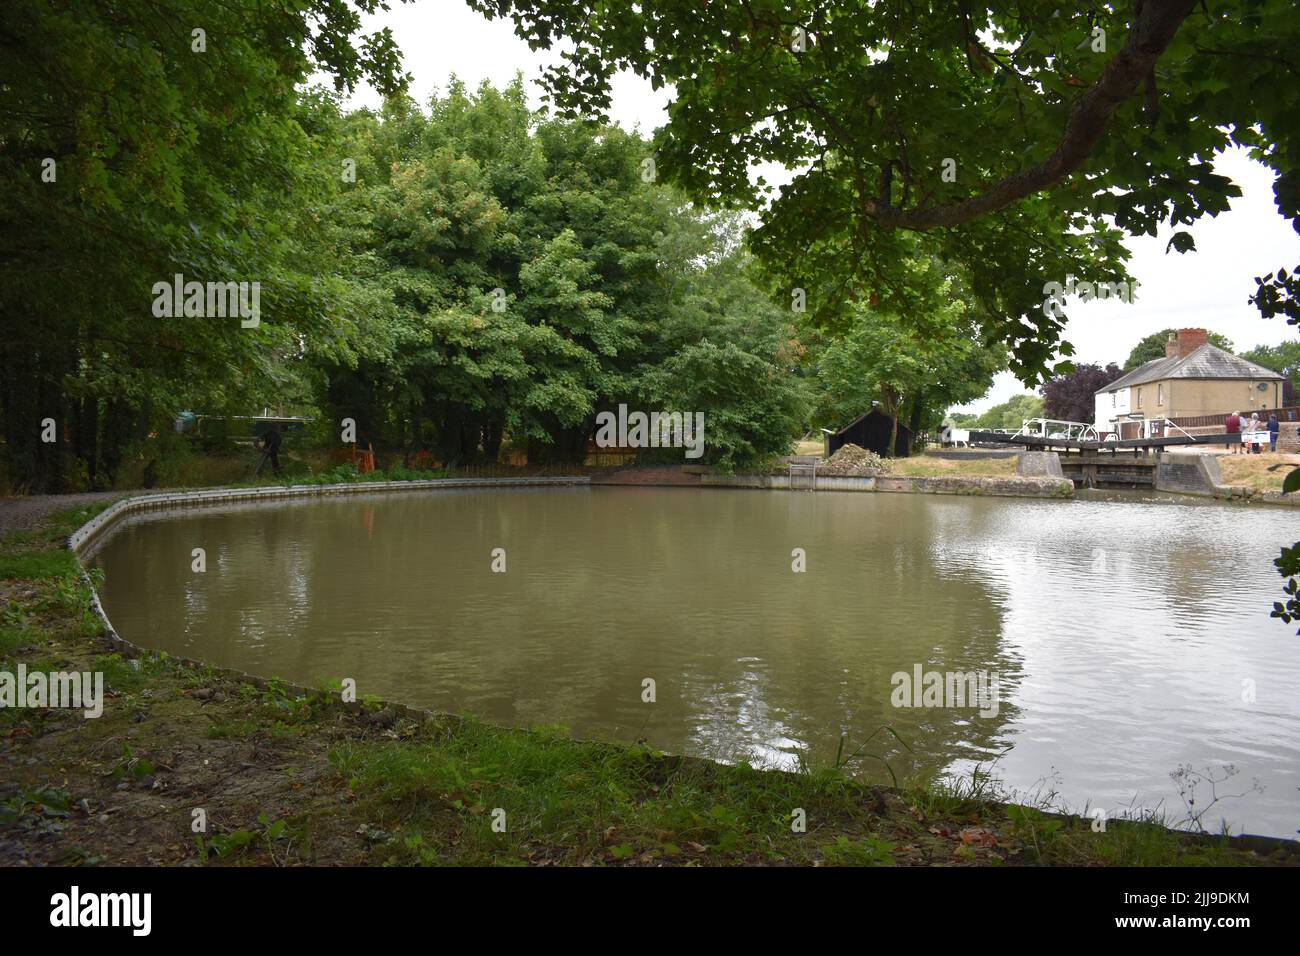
(1232, 425)
(1272, 431)
(270, 451)
(1253, 427)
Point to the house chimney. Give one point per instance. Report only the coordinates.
(1184, 342)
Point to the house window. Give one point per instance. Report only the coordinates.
(1160, 394)
(1112, 399)
(1139, 401)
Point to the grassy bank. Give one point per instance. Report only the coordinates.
(1252, 471)
(287, 779)
(930, 466)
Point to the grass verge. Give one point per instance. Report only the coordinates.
(930, 465)
(1252, 471)
(188, 766)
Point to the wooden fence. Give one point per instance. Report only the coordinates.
(1288, 413)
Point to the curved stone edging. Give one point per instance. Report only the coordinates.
(1010, 486)
(184, 499)
(106, 519)
(103, 521)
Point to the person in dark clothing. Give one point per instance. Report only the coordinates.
(1272, 432)
(271, 451)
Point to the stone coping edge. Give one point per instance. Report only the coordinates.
(180, 499)
(106, 518)
(1013, 486)
(207, 496)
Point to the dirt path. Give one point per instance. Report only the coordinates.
(25, 513)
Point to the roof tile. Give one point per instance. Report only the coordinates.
(1208, 361)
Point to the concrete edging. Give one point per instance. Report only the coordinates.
(991, 486)
(185, 499)
(105, 520)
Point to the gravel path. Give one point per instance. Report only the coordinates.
(25, 513)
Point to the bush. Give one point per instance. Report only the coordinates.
(751, 406)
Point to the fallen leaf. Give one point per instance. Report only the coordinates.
(978, 836)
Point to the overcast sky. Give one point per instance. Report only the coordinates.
(1207, 288)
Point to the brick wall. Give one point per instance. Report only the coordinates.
(1288, 434)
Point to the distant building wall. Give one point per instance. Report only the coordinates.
(1175, 398)
(1111, 404)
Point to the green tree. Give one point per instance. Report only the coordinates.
(883, 358)
(877, 360)
(519, 275)
(1016, 143)
(132, 149)
(1012, 413)
(1153, 347)
(1283, 359)
(751, 406)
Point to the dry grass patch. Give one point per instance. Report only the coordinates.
(928, 465)
(1252, 470)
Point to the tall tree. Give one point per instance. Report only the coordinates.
(139, 141)
(516, 274)
(1071, 396)
(1153, 347)
(881, 359)
(1016, 142)
(1283, 358)
(1011, 414)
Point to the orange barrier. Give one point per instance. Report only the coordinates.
(364, 460)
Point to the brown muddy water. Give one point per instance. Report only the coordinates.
(1129, 636)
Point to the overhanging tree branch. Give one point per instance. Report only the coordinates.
(1156, 23)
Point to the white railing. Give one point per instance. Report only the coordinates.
(1151, 427)
(1057, 428)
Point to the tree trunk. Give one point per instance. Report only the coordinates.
(892, 402)
(493, 432)
(918, 409)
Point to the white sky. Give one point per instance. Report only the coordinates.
(1207, 288)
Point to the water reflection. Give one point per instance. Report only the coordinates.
(1119, 631)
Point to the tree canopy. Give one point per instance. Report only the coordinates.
(1283, 359)
(1152, 347)
(1069, 397)
(449, 276)
(1009, 414)
(139, 141)
(1015, 143)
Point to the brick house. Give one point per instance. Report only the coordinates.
(1194, 378)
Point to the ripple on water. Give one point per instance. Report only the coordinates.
(1121, 631)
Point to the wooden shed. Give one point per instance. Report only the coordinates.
(871, 432)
